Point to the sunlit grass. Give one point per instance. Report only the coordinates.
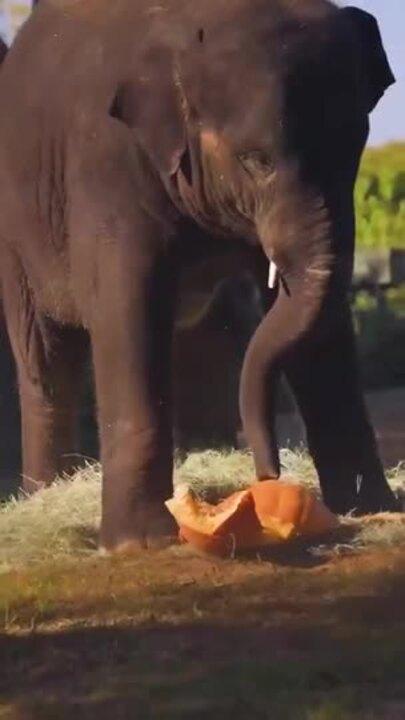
(61, 522)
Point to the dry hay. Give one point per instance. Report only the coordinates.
(61, 522)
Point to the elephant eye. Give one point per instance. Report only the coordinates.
(256, 162)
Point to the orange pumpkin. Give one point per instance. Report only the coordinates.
(212, 544)
(269, 512)
(216, 529)
(292, 504)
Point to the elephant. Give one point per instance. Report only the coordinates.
(223, 314)
(214, 323)
(9, 416)
(212, 331)
(3, 50)
(9, 410)
(141, 139)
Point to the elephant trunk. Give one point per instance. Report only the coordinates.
(296, 235)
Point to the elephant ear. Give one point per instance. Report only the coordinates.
(377, 72)
(151, 106)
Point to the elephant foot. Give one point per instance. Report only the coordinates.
(30, 486)
(151, 528)
(371, 502)
(367, 500)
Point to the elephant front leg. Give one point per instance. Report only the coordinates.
(131, 340)
(324, 376)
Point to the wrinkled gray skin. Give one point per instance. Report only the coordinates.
(212, 334)
(9, 414)
(141, 138)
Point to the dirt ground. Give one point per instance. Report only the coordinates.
(175, 636)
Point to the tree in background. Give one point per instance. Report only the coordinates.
(380, 198)
(380, 314)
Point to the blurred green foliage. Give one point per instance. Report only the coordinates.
(380, 198)
(379, 321)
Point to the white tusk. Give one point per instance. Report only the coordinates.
(273, 272)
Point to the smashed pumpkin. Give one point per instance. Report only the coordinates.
(269, 512)
(291, 505)
(216, 528)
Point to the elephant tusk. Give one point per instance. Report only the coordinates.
(273, 272)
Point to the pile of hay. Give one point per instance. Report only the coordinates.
(61, 522)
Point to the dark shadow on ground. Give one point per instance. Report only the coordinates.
(303, 554)
(347, 653)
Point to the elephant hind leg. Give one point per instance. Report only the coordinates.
(49, 362)
(49, 411)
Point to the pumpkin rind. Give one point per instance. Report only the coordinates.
(292, 504)
(268, 513)
(218, 545)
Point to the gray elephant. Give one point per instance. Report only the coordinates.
(213, 329)
(3, 50)
(140, 139)
(9, 410)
